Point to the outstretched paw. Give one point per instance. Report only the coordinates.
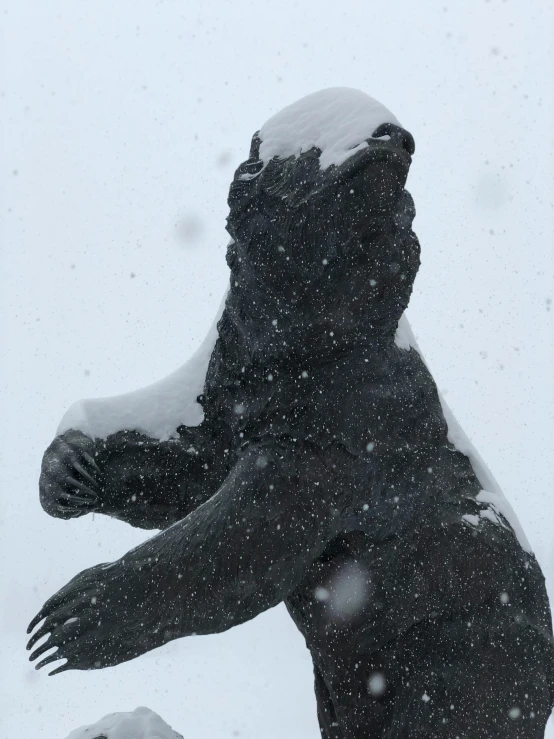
(106, 615)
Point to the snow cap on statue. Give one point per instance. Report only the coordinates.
(338, 121)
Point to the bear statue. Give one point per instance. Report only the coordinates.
(304, 455)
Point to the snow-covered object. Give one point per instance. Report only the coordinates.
(159, 409)
(492, 493)
(156, 410)
(142, 723)
(337, 120)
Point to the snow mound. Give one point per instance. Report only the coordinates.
(156, 410)
(492, 493)
(142, 723)
(337, 120)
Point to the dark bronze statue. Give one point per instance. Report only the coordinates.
(321, 476)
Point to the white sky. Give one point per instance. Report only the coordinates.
(121, 128)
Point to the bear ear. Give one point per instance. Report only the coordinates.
(255, 146)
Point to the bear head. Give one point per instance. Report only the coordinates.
(319, 250)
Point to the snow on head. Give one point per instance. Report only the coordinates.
(337, 120)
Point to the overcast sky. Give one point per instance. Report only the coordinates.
(121, 126)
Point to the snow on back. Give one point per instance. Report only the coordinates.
(492, 493)
(404, 337)
(156, 410)
(337, 120)
(142, 723)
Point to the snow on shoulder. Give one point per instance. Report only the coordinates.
(491, 494)
(337, 120)
(142, 723)
(156, 410)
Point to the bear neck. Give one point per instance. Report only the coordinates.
(351, 306)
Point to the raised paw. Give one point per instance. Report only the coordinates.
(71, 481)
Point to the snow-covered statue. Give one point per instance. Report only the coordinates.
(138, 724)
(304, 455)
